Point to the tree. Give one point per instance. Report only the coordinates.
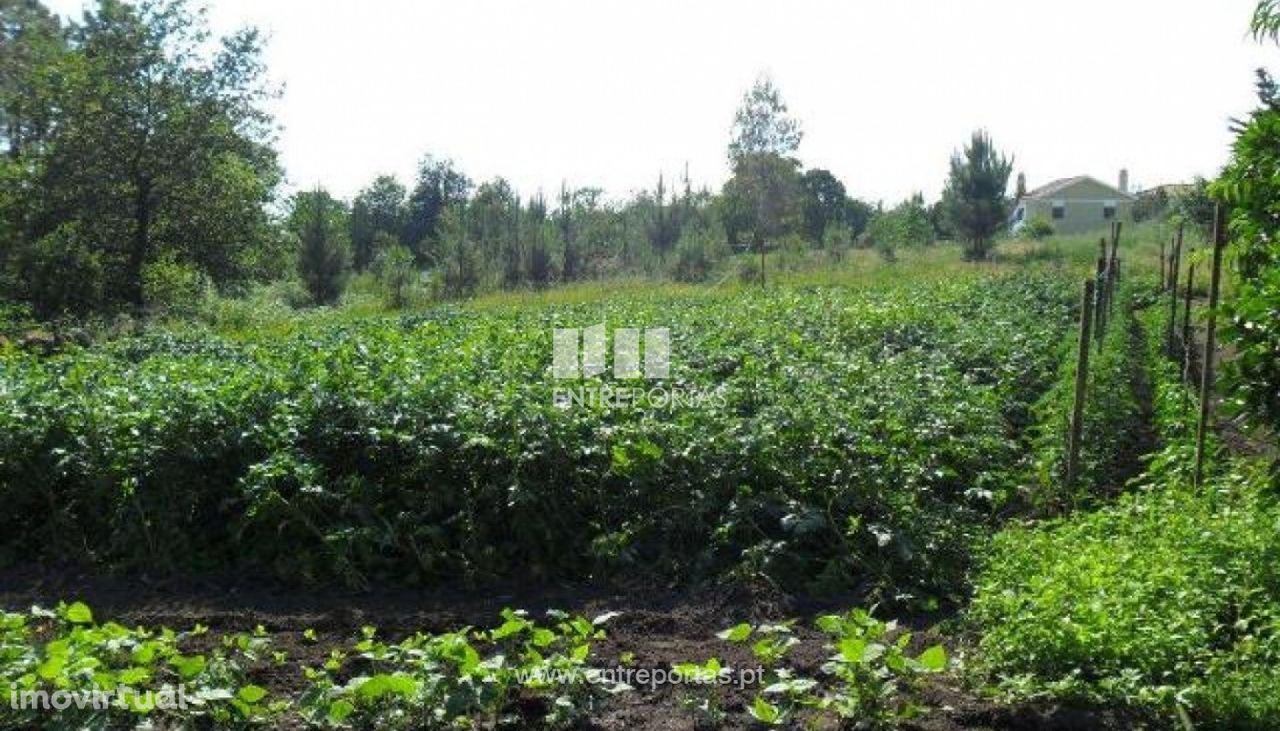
(146, 143)
(825, 203)
(763, 198)
(761, 124)
(32, 42)
(974, 198)
(320, 222)
(459, 261)
(439, 187)
(662, 225)
(1250, 186)
(572, 259)
(1195, 206)
(905, 225)
(379, 208)
(538, 237)
(396, 272)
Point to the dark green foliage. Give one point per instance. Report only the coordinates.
(377, 217)
(827, 204)
(439, 187)
(323, 259)
(974, 198)
(126, 130)
(763, 200)
(1250, 184)
(906, 225)
(850, 439)
(1195, 208)
(396, 273)
(700, 250)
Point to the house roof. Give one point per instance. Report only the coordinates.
(1049, 189)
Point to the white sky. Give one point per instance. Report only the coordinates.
(607, 93)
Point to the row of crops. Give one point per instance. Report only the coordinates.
(525, 672)
(844, 439)
(1165, 599)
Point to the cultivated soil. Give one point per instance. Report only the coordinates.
(657, 626)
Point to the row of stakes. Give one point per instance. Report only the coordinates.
(1097, 305)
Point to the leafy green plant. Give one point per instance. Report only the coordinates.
(850, 437)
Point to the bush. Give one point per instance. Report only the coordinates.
(171, 287)
(1038, 229)
(698, 253)
(397, 275)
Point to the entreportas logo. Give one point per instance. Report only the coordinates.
(582, 370)
(627, 353)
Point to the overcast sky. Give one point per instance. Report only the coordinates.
(608, 93)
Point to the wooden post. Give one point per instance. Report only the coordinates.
(1210, 337)
(1082, 384)
(1113, 268)
(1174, 266)
(1115, 241)
(1100, 311)
(1164, 267)
(1187, 344)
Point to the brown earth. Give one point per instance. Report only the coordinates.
(657, 626)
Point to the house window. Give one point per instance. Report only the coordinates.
(1018, 214)
(1059, 210)
(1108, 210)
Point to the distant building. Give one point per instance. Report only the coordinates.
(1076, 205)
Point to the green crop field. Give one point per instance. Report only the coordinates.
(891, 437)
(827, 438)
(430, 366)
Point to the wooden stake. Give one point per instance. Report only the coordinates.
(1082, 383)
(1172, 282)
(1101, 310)
(1164, 265)
(1186, 323)
(1210, 337)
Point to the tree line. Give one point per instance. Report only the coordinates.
(138, 164)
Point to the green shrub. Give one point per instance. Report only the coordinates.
(1168, 598)
(1038, 229)
(397, 275)
(171, 287)
(698, 253)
